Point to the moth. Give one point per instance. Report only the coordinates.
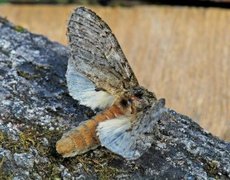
(99, 76)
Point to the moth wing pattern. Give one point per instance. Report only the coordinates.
(98, 74)
(96, 54)
(83, 90)
(131, 140)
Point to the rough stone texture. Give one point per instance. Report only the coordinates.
(35, 109)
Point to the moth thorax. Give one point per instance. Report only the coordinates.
(127, 106)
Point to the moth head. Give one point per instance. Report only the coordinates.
(142, 98)
(137, 99)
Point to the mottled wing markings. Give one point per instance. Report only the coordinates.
(98, 53)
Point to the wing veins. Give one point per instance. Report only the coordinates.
(96, 53)
(109, 36)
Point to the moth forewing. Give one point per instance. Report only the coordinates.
(144, 127)
(96, 54)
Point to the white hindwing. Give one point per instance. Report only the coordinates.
(114, 134)
(83, 90)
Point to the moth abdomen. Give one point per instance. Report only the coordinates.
(78, 140)
(83, 138)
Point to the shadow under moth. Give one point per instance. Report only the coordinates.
(99, 76)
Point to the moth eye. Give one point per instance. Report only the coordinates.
(124, 103)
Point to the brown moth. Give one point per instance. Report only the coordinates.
(99, 76)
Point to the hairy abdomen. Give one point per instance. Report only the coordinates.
(83, 138)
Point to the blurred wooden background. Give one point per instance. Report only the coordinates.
(180, 53)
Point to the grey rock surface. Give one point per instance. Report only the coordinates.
(35, 110)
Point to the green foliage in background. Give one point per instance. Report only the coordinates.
(3, 1)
